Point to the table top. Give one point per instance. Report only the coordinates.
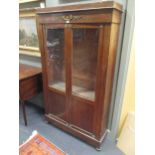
(26, 71)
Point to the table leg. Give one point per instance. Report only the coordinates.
(24, 112)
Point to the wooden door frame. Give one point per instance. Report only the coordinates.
(122, 62)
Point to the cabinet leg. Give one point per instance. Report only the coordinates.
(24, 112)
(98, 148)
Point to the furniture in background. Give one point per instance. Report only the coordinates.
(78, 45)
(30, 84)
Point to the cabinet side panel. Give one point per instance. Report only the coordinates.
(101, 77)
(43, 59)
(110, 75)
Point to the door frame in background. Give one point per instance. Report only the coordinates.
(124, 50)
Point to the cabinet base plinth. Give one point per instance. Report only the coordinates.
(77, 133)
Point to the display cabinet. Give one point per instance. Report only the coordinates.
(78, 45)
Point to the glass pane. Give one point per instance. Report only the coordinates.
(85, 51)
(56, 67)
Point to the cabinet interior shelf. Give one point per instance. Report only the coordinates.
(76, 90)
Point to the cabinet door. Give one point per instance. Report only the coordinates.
(55, 70)
(85, 46)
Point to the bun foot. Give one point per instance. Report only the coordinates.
(98, 148)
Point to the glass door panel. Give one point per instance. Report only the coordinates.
(55, 58)
(84, 59)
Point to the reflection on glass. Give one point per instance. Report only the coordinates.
(85, 51)
(56, 68)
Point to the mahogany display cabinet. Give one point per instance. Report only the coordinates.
(78, 46)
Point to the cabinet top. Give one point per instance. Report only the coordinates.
(106, 4)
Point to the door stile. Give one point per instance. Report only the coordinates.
(68, 62)
(41, 31)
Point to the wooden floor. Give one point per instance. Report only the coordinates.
(66, 142)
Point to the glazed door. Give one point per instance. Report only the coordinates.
(72, 53)
(56, 71)
(85, 48)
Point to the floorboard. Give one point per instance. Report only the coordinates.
(66, 142)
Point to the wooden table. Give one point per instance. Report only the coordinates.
(30, 84)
